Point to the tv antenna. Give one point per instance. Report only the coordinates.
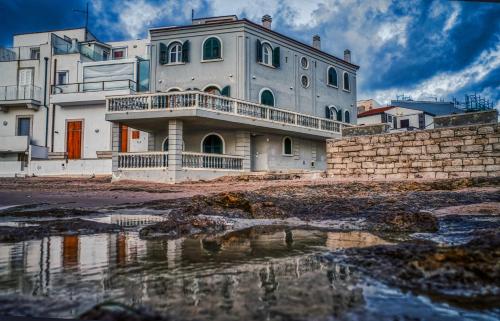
(86, 12)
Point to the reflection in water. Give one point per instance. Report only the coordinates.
(256, 274)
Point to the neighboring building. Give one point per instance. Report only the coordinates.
(231, 96)
(52, 97)
(436, 108)
(398, 118)
(366, 105)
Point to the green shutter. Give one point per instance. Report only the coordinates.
(327, 112)
(185, 51)
(259, 51)
(163, 59)
(226, 91)
(276, 57)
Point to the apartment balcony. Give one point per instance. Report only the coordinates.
(90, 93)
(145, 111)
(19, 53)
(28, 96)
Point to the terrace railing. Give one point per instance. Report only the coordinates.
(148, 160)
(94, 86)
(212, 161)
(15, 92)
(219, 104)
(19, 53)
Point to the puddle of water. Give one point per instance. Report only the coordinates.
(17, 224)
(128, 220)
(257, 274)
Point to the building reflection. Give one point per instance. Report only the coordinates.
(255, 267)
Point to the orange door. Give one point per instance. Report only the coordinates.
(123, 139)
(74, 139)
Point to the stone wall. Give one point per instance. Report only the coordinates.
(467, 151)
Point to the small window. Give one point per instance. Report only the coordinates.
(267, 55)
(175, 53)
(212, 49)
(213, 144)
(404, 123)
(62, 77)
(267, 98)
(23, 126)
(119, 53)
(347, 117)
(35, 53)
(332, 77)
(304, 62)
(347, 86)
(304, 80)
(389, 118)
(287, 146)
(136, 134)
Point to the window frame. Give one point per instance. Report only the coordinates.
(308, 81)
(348, 81)
(66, 72)
(272, 93)
(19, 117)
(215, 134)
(36, 51)
(283, 148)
(307, 62)
(328, 77)
(170, 46)
(203, 50)
(270, 55)
(346, 115)
(125, 52)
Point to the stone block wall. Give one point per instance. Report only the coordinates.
(468, 151)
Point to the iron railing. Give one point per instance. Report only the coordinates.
(94, 86)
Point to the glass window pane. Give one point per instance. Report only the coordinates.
(23, 126)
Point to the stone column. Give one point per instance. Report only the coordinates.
(115, 145)
(243, 148)
(174, 149)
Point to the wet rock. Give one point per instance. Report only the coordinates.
(55, 227)
(466, 275)
(112, 311)
(407, 222)
(177, 227)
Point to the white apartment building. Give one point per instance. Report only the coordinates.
(222, 96)
(398, 118)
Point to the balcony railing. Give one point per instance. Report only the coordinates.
(94, 86)
(219, 104)
(212, 161)
(149, 160)
(19, 53)
(159, 160)
(15, 92)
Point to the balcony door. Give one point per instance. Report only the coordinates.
(74, 139)
(25, 83)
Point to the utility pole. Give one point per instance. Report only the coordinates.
(86, 12)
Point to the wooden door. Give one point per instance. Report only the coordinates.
(74, 139)
(123, 138)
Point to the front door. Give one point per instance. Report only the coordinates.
(123, 139)
(258, 149)
(74, 139)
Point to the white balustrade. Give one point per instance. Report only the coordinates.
(221, 104)
(149, 160)
(212, 161)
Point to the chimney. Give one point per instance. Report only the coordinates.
(266, 21)
(317, 42)
(347, 55)
(74, 45)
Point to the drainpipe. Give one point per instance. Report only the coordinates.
(54, 78)
(45, 103)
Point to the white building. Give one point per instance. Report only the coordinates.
(222, 96)
(398, 118)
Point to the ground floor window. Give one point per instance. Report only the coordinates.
(287, 146)
(213, 144)
(405, 123)
(23, 126)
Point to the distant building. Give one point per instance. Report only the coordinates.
(398, 118)
(367, 104)
(436, 108)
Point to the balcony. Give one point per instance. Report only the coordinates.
(28, 96)
(19, 53)
(14, 144)
(159, 160)
(90, 93)
(145, 107)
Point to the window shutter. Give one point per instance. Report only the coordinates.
(259, 51)
(384, 117)
(185, 51)
(226, 91)
(276, 57)
(339, 115)
(327, 112)
(163, 59)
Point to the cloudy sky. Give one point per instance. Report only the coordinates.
(420, 48)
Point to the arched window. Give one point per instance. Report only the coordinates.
(175, 53)
(332, 113)
(165, 144)
(267, 54)
(347, 117)
(332, 77)
(212, 49)
(213, 144)
(339, 115)
(347, 86)
(287, 146)
(267, 97)
(214, 90)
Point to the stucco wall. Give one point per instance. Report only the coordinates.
(468, 151)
